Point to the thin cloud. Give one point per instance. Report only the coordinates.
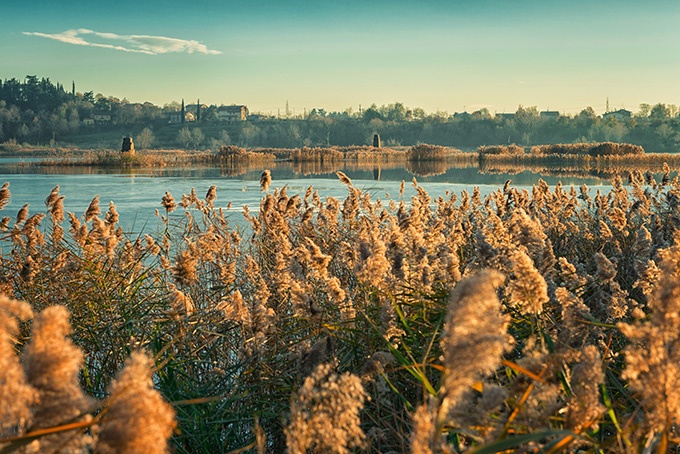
(142, 44)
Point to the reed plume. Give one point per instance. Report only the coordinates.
(344, 179)
(168, 202)
(16, 395)
(325, 413)
(93, 209)
(653, 358)
(584, 408)
(473, 342)
(4, 195)
(137, 419)
(211, 196)
(265, 180)
(52, 363)
(527, 288)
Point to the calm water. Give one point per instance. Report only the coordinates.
(137, 194)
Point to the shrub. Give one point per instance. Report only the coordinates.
(10, 146)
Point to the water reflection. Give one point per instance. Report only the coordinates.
(137, 191)
(467, 172)
(437, 172)
(428, 168)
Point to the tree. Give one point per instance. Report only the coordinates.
(396, 112)
(184, 137)
(196, 137)
(173, 106)
(145, 139)
(249, 133)
(372, 113)
(418, 113)
(481, 114)
(659, 112)
(526, 121)
(644, 110)
(73, 118)
(222, 139)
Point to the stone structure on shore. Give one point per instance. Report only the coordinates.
(128, 145)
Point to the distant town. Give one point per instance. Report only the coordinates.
(39, 112)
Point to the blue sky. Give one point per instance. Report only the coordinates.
(438, 55)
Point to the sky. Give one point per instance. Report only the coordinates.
(453, 56)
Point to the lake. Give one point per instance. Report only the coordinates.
(137, 193)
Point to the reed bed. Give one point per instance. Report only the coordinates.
(426, 152)
(580, 165)
(525, 321)
(111, 158)
(425, 160)
(500, 150)
(578, 152)
(562, 149)
(317, 154)
(591, 149)
(231, 155)
(374, 155)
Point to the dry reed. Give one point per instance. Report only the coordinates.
(550, 356)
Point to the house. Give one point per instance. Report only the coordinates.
(175, 117)
(232, 113)
(620, 115)
(101, 118)
(88, 121)
(194, 107)
(549, 114)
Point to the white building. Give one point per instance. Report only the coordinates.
(232, 113)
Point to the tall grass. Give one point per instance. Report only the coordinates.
(524, 320)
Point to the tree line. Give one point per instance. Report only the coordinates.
(39, 111)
